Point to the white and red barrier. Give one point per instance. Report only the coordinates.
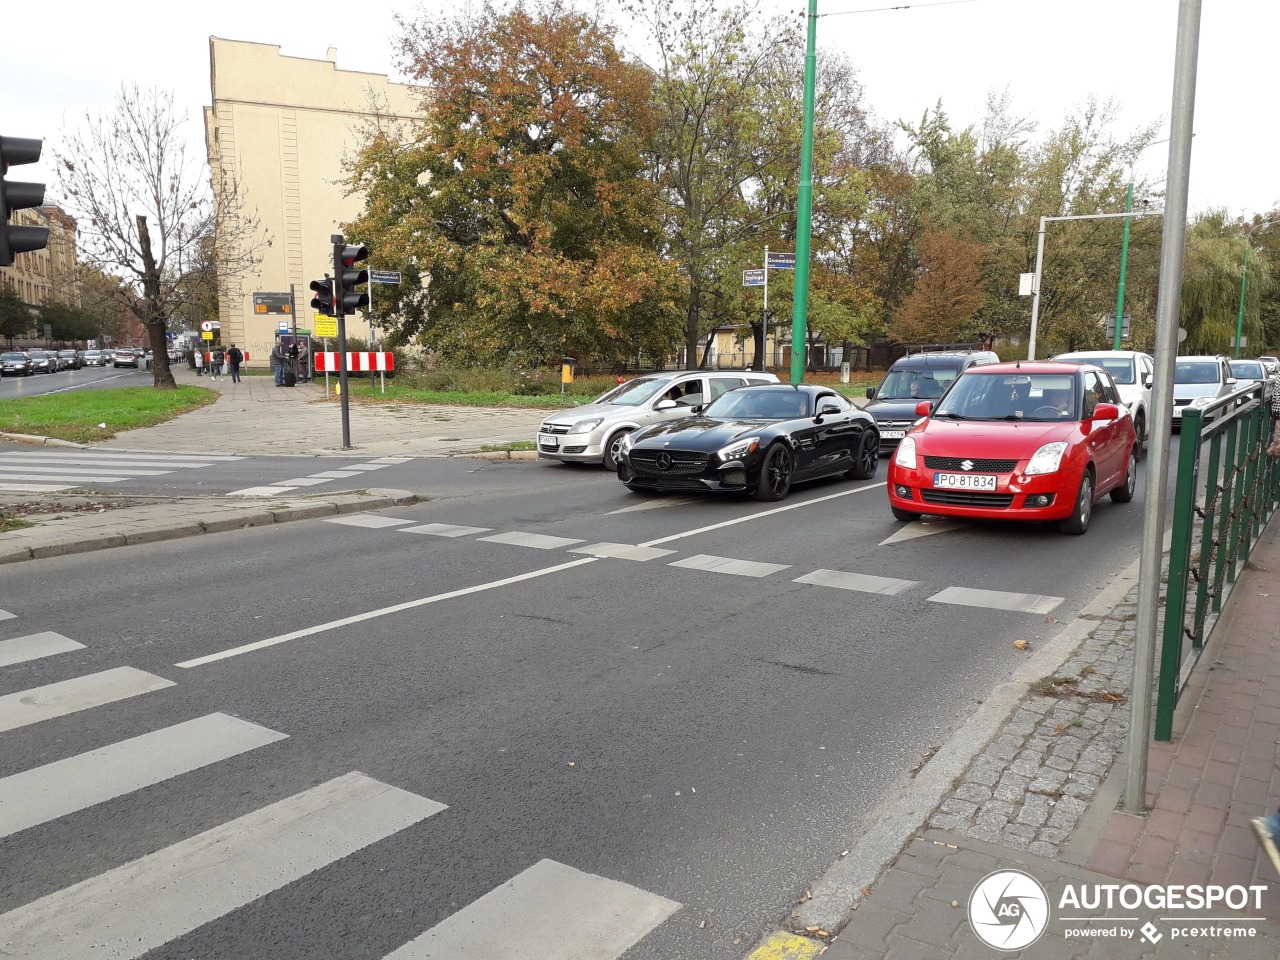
(362, 361)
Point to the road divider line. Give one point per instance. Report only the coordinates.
(860, 582)
(66, 786)
(128, 911)
(997, 600)
(739, 568)
(756, 516)
(374, 614)
(549, 911)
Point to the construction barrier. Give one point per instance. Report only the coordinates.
(357, 362)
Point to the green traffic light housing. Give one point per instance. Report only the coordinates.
(349, 276)
(322, 302)
(17, 195)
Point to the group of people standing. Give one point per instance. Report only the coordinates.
(219, 359)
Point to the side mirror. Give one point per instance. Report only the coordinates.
(697, 408)
(827, 410)
(924, 408)
(1105, 411)
(871, 393)
(1147, 380)
(665, 404)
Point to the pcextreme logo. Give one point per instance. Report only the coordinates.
(1009, 910)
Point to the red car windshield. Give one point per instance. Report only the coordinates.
(1012, 396)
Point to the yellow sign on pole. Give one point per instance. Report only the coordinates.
(566, 373)
(206, 335)
(325, 327)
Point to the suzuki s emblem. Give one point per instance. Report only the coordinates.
(966, 464)
(663, 460)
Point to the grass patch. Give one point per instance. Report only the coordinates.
(9, 522)
(504, 447)
(75, 416)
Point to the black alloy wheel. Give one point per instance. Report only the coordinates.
(775, 473)
(1140, 428)
(1124, 492)
(866, 458)
(1082, 512)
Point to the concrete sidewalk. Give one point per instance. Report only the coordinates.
(1043, 797)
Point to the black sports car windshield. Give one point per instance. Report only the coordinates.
(1012, 396)
(634, 392)
(759, 404)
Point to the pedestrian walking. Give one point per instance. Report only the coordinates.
(219, 357)
(235, 356)
(278, 361)
(199, 362)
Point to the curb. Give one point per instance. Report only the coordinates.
(835, 895)
(43, 441)
(204, 516)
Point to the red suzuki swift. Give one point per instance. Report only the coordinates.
(1032, 440)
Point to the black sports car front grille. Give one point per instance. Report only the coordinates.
(667, 463)
(967, 498)
(980, 465)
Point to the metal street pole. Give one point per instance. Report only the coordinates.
(763, 361)
(1244, 275)
(804, 213)
(1124, 262)
(1168, 310)
(339, 311)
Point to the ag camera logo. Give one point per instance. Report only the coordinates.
(1009, 910)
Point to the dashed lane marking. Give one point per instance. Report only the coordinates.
(861, 582)
(370, 520)
(538, 541)
(36, 646)
(71, 696)
(998, 600)
(445, 530)
(739, 568)
(622, 551)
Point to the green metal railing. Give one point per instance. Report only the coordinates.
(1218, 515)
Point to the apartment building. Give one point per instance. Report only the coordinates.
(278, 128)
(49, 275)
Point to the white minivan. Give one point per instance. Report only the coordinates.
(1133, 373)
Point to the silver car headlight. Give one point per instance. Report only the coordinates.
(738, 449)
(905, 455)
(586, 426)
(1046, 460)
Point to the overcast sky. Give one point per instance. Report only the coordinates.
(1051, 56)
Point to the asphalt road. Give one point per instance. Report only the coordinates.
(86, 378)
(706, 730)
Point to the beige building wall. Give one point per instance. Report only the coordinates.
(48, 275)
(279, 128)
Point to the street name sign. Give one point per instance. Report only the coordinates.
(781, 261)
(384, 276)
(753, 278)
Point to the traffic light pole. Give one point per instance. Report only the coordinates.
(339, 242)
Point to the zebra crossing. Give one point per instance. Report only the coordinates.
(313, 479)
(549, 911)
(24, 471)
(854, 581)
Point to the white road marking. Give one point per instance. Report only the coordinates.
(80, 693)
(301, 482)
(66, 786)
(6, 615)
(751, 517)
(924, 527)
(861, 582)
(445, 530)
(656, 502)
(177, 459)
(740, 568)
(622, 551)
(539, 541)
(998, 600)
(124, 471)
(390, 460)
(38, 475)
(547, 912)
(34, 646)
(125, 912)
(370, 520)
(335, 474)
(366, 466)
(260, 492)
(382, 612)
(8, 487)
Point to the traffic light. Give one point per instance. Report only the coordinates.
(15, 195)
(347, 276)
(322, 302)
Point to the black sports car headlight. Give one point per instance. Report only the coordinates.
(738, 449)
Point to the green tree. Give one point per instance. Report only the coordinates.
(948, 293)
(520, 209)
(1211, 286)
(16, 319)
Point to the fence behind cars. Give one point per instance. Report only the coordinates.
(1217, 518)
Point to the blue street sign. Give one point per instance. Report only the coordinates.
(753, 278)
(781, 261)
(384, 276)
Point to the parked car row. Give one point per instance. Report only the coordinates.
(28, 362)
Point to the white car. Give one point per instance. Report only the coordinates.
(1248, 373)
(1133, 373)
(1198, 381)
(594, 433)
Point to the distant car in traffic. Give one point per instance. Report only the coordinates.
(1034, 440)
(1133, 373)
(124, 358)
(593, 433)
(15, 365)
(757, 440)
(43, 361)
(1248, 373)
(1198, 381)
(70, 359)
(910, 379)
(95, 358)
